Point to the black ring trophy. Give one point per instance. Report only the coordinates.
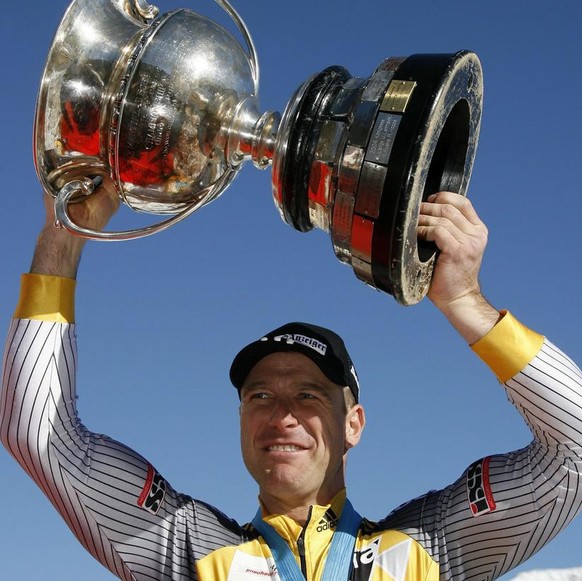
(166, 106)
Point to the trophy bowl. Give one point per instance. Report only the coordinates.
(166, 107)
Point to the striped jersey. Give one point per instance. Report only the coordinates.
(500, 511)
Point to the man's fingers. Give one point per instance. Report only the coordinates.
(442, 202)
(451, 212)
(439, 231)
(450, 221)
(441, 222)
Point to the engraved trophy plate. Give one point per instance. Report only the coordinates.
(397, 96)
(370, 191)
(166, 107)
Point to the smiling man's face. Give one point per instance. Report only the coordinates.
(295, 430)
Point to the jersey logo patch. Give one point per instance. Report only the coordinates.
(329, 521)
(153, 493)
(481, 499)
(393, 560)
(364, 559)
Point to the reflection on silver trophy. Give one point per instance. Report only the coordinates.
(166, 106)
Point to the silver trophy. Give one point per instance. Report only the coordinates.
(166, 106)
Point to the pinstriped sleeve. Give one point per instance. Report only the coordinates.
(120, 509)
(505, 507)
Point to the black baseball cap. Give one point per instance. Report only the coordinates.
(324, 347)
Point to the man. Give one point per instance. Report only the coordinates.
(300, 414)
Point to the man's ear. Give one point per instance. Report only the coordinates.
(355, 422)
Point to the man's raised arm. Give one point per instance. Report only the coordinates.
(507, 506)
(57, 252)
(114, 501)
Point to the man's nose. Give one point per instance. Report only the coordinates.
(282, 414)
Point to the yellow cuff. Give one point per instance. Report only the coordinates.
(508, 347)
(46, 298)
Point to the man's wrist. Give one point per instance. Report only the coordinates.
(57, 253)
(471, 315)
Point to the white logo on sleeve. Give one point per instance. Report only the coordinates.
(248, 567)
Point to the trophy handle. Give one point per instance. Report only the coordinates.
(253, 59)
(149, 12)
(86, 186)
(145, 10)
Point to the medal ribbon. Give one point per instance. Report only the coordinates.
(339, 558)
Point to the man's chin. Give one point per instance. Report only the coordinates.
(283, 477)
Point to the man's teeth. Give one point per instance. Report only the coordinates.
(284, 448)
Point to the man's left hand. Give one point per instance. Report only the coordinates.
(450, 221)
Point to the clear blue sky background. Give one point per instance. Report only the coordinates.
(160, 318)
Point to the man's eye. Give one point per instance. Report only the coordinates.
(306, 396)
(259, 395)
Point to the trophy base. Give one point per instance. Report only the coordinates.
(355, 157)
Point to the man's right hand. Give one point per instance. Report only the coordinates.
(57, 251)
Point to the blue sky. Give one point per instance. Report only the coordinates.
(160, 319)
